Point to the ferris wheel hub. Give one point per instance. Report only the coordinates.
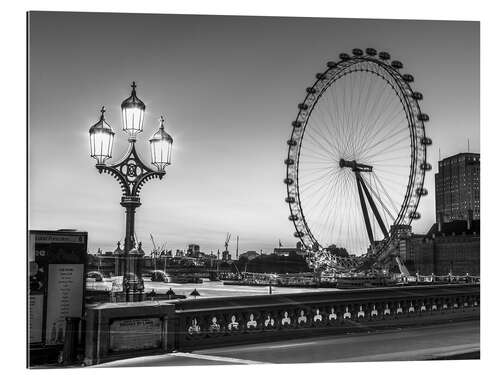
(356, 167)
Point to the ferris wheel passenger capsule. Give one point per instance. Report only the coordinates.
(297, 124)
(293, 217)
(421, 191)
(384, 56)
(414, 215)
(344, 56)
(357, 52)
(298, 234)
(417, 96)
(408, 78)
(311, 90)
(397, 64)
(371, 51)
(425, 166)
(291, 142)
(288, 181)
(423, 117)
(289, 161)
(426, 141)
(303, 106)
(290, 200)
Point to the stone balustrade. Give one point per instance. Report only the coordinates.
(126, 330)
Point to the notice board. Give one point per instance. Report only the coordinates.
(57, 266)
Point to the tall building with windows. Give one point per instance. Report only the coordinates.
(193, 250)
(457, 187)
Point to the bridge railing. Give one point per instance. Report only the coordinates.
(135, 329)
(207, 323)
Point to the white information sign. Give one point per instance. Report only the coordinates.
(64, 299)
(35, 318)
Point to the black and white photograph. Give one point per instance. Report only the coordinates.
(209, 189)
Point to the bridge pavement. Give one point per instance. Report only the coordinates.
(453, 340)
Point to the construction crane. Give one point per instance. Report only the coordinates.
(153, 241)
(226, 244)
(154, 252)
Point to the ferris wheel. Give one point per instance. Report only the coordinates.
(356, 159)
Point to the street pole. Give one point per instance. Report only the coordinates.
(130, 205)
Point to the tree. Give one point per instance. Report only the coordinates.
(338, 251)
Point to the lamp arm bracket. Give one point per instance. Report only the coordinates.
(131, 172)
(144, 178)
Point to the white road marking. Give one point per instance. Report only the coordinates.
(421, 354)
(290, 345)
(217, 358)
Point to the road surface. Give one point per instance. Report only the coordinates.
(209, 289)
(420, 343)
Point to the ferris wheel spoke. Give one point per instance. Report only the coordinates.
(325, 205)
(389, 103)
(318, 140)
(385, 210)
(384, 132)
(314, 156)
(379, 122)
(329, 205)
(375, 151)
(333, 122)
(356, 88)
(376, 194)
(313, 183)
(337, 120)
(321, 128)
(380, 163)
(376, 105)
(367, 100)
(341, 198)
(388, 196)
(344, 205)
(363, 126)
(313, 188)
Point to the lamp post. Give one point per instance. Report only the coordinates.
(130, 171)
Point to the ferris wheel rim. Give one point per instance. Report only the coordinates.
(415, 118)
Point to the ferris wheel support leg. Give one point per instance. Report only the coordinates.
(374, 208)
(363, 207)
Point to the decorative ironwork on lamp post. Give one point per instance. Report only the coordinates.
(130, 171)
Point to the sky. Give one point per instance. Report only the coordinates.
(228, 87)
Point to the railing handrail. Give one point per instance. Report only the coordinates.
(351, 295)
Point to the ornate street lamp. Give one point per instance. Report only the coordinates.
(130, 171)
(133, 114)
(101, 140)
(161, 147)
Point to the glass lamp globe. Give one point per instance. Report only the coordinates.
(133, 114)
(101, 140)
(161, 147)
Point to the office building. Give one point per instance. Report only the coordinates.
(457, 187)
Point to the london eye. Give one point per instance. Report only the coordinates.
(356, 161)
